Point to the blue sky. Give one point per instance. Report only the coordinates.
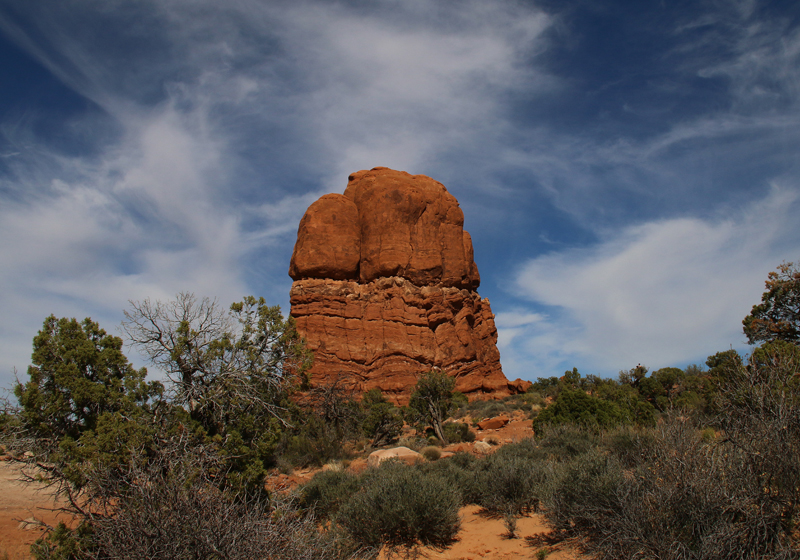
(628, 170)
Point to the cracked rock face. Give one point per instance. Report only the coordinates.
(385, 289)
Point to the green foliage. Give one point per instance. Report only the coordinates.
(629, 445)
(233, 371)
(777, 317)
(456, 432)
(687, 493)
(459, 399)
(514, 479)
(327, 491)
(311, 442)
(98, 426)
(576, 407)
(324, 428)
(561, 442)
(175, 510)
(432, 400)
(590, 483)
(63, 543)
(400, 506)
(78, 373)
(383, 422)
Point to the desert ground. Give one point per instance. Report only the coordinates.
(24, 506)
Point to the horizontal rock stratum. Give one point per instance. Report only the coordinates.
(384, 289)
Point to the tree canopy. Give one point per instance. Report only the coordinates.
(78, 373)
(432, 399)
(223, 364)
(777, 317)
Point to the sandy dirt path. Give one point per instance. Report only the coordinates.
(21, 506)
(484, 537)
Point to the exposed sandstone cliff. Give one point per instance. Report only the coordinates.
(385, 288)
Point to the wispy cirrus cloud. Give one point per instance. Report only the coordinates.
(209, 128)
(663, 293)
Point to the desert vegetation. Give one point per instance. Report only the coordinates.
(694, 463)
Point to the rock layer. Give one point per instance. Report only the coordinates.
(385, 289)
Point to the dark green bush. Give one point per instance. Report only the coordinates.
(512, 484)
(382, 422)
(576, 407)
(177, 511)
(314, 441)
(685, 497)
(589, 485)
(400, 506)
(327, 491)
(565, 441)
(456, 432)
(630, 445)
(458, 472)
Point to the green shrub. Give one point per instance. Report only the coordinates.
(382, 422)
(576, 407)
(532, 398)
(431, 453)
(589, 485)
(327, 491)
(456, 432)
(630, 445)
(400, 506)
(486, 408)
(463, 460)
(458, 472)
(685, 497)
(566, 441)
(177, 511)
(512, 480)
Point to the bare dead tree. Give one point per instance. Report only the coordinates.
(220, 362)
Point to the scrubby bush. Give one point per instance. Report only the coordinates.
(327, 491)
(457, 432)
(458, 472)
(382, 422)
(511, 482)
(630, 445)
(565, 441)
(576, 407)
(431, 453)
(400, 506)
(588, 486)
(685, 497)
(171, 507)
(325, 428)
(313, 442)
(491, 408)
(431, 401)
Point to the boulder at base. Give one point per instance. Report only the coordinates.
(493, 423)
(404, 454)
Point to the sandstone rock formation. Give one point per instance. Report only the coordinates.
(385, 289)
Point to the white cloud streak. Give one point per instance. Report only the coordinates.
(662, 293)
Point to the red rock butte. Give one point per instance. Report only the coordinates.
(384, 289)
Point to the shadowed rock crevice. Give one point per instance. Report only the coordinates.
(385, 288)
